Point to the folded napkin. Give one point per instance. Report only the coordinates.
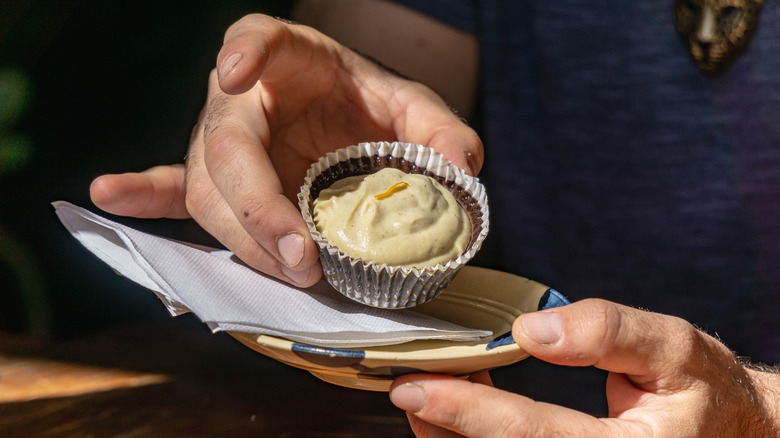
(228, 295)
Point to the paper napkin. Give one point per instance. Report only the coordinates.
(227, 295)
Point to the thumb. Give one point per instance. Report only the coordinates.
(154, 193)
(642, 345)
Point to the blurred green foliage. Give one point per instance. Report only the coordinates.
(15, 99)
(15, 151)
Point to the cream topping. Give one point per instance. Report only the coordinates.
(392, 217)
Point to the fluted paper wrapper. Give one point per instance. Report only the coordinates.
(381, 285)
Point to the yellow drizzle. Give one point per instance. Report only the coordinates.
(395, 188)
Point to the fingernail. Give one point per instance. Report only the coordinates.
(297, 277)
(229, 65)
(410, 397)
(543, 327)
(291, 249)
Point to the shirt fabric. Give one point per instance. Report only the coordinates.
(616, 169)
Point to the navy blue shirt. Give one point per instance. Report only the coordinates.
(616, 169)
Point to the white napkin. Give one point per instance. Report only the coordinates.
(227, 295)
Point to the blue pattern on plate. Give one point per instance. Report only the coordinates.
(331, 357)
(551, 298)
(504, 339)
(341, 357)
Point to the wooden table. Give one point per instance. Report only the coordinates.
(175, 378)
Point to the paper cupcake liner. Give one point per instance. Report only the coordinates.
(381, 285)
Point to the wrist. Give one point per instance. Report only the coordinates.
(766, 385)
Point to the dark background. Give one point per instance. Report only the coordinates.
(108, 87)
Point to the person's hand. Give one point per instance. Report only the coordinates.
(282, 96)
(666, 379)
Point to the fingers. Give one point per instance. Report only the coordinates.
(430, 122)
(347, 91)
(155, 193)
(212, 212)
(243, 55)
(252, 45)
(441, 406)
(649, 348)
(235, 194)
(422, 429)
(664, 372)
(667, 379)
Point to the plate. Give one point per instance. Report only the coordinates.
(478, 298)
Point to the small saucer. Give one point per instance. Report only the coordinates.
(478, 298)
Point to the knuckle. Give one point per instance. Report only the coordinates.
(244, 22)
(688, 339)
(193, 204)
(605, 326)
(219, 147)
(462, 419)
(520, 427)
(196, 197)
(441, 410)
(255, 19)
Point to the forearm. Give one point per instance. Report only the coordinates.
(423, 49)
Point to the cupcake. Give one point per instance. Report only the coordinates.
(394, 222)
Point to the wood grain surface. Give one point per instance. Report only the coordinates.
(175, 379)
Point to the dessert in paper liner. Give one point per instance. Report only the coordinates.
(381, 285)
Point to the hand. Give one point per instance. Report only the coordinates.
(666, 379)
(282, 96)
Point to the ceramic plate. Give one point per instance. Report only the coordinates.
(478, 298)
